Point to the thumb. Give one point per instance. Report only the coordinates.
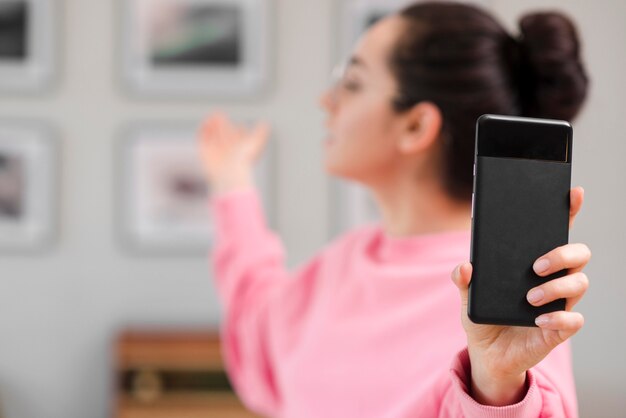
(461, 277)
(207, 128)
(259, 136)
(577, 195)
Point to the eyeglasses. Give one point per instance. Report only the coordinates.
(338, 73)
(336, 78)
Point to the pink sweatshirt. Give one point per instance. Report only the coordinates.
(370, 327)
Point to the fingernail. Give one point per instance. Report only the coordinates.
(542, 320)
(535, 295)
(541, 265)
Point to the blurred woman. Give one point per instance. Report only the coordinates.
(372, 326)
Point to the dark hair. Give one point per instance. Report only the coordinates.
(461, 59)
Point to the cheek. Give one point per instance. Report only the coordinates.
(362, 142)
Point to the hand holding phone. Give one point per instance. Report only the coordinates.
(500, 355)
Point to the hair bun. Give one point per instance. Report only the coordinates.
(553, 81)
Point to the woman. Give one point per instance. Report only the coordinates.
(370, 327)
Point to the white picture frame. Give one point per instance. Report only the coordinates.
(358, 15)
(27, 45)
(28, 186)
(196, 48)
(165, 198)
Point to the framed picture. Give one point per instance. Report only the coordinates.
(351, 205)
(28, 167)
(165, 196)
(196, 48)
(27, 39)
(358, 15)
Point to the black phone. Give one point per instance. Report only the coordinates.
(520, 211)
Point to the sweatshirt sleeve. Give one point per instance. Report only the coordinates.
(249, 271)
(550, 392)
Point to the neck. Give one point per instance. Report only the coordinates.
(411, 207)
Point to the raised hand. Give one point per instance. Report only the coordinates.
(501, 355)
(228, 152)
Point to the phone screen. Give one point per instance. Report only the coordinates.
(539, 141)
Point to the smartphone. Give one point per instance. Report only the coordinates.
(520, 211)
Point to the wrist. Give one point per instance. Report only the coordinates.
(497, 390)
(232, 180)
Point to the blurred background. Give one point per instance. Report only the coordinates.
(99, 250)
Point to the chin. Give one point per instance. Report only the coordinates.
(331, 168)
(337, 170)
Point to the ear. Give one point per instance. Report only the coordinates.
(422, 126)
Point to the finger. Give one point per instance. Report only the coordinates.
(567, 323)
(241, 131)
(570, 256)
(260, 133)
(261, 130)
(207, 128)
(461, 277)
(229, 131)
(218, 127)
(577, 196)
(572, 287)
(207, 137)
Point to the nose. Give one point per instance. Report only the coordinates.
(327, 100)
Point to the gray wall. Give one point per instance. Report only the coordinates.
(59, 310)
(599, 148)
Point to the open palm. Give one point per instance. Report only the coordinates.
(228, 152)
(226, 147)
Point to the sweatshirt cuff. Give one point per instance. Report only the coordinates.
(460, 372)
(238, 213)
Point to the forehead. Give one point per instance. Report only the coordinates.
(376, 44)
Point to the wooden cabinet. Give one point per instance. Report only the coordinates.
(172, 374)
